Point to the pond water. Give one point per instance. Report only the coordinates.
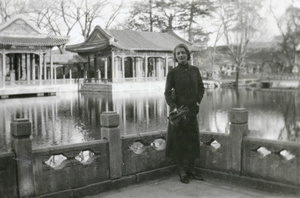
(73, 117)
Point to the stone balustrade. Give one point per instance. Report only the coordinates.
(92, 167)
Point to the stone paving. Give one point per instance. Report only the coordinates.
(173, 188)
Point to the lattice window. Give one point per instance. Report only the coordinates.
(215, 144)
(55, 161)
(263, 152)
(287, 155)
(85, 157)
(159, 144)
(139, 147)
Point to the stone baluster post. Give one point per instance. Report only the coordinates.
(22, 146)
(238, 120)
(110, 131)
(70, 76)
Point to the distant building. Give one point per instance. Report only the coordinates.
(64, 64)
(23, 49)
(120, 55)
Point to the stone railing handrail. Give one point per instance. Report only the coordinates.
(57, 149)
(115, 160)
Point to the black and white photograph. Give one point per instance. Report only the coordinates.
(150, 98)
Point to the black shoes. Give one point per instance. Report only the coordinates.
(182, 174)
(184, 179)
(188, 173)
(194, 175)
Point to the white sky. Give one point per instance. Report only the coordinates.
(270, 27)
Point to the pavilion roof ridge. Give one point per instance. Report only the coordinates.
(22, 18)
(24, 36)
(101, 39)
(57, 36)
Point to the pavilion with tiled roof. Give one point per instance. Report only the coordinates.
(23, 51)
(135, 54)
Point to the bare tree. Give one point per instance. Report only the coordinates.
(58, 16)
(115, 12)
(219, 33)
(240, 21)
(289, 27)
(61, 16)
(9, 8)
(88, 11)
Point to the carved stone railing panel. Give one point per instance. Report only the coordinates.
(272, 160)
(8, 177)
(143, 152)
(214, 151)
(64, 167)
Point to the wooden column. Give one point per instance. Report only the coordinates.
(32, 63)
(157, 67)
(154, 68)
(27, 59)
(51, 65)
(105, 68)
(123, 66)
(19, 61)
(167, 65)
(23, 63)
(3, 66)
(11, 62)
(133, 67)
(113, 69)
(136, 67)
(40, 65)
(95, 66)
(12, 68)
(146, 66)
(89, 69)
(45, 66)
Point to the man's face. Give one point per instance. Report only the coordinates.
(181, 55)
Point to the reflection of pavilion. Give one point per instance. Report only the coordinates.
(125, 55)
(23, 51)
(139, 111)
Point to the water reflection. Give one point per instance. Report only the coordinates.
(75, 117)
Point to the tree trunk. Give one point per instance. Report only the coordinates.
(151, 19)
(237, 76)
